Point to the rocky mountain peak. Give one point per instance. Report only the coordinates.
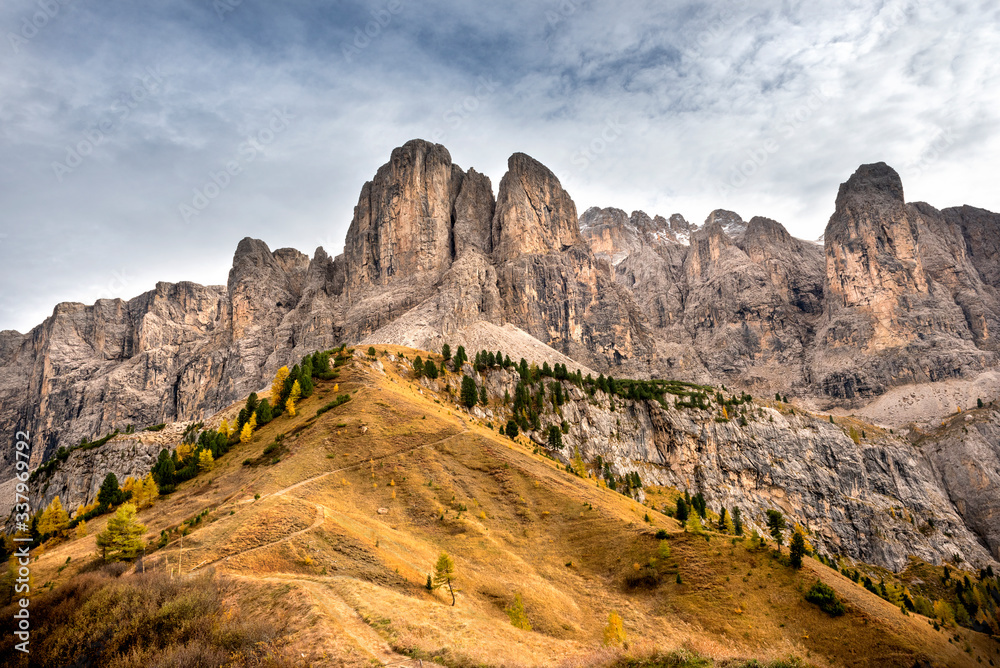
(534, 214)
(403, 221)
(731, 223)
(764, 230)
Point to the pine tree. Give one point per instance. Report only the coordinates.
(247, 433)
(775, 525)
(109, 494)
(446, 352)
(371, 351)
(264, 413)
(430, 370)
(483, 399)
(737, 522)
(682, 512)
(517, 614)
(460, 357)
(722, 519)
(469, 396)
(418, 367)
(122, 539)
(797, 549)
(511, 428)
(444, 574)
(206, 461)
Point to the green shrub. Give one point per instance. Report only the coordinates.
(824, 596)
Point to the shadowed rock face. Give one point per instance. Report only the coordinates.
(899, 293)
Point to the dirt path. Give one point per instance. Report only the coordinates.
(320, 510)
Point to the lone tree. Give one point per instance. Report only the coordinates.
(682, 512)
(614, 632)
(797, 549)
(775, 525)
(737, 521)
(511, 428)
(470, 395)
(122, 539)
(722, 519)
(517, 614)
(444, 573)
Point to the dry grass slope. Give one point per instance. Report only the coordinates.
(333, 544)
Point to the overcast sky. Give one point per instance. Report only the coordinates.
(115, 115)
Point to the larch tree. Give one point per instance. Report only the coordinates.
(122, 539)
(54, 518)
(614, 632)
(278, 385)
(444, 574)
(247, 433)
(205, 460)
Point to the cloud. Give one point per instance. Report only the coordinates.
(763, 108)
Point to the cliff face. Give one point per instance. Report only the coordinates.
(899, 293)
(878, 501)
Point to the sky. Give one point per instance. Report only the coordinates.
(140, 140)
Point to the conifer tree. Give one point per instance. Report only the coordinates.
(797, 549)
(483, 399)
(418, 367)
(469, 395)
(444, 574)
(737, 522)
(81, 529)
(205, 460)
(264, 413)
(122, 539)
(109, 494)
(247, 433)
(430, 370)
(722, 519)
(614, 632)
(518, 615)
(446, 352)
(289, 408)
(682, 512)
(775, 525)
(296, 392)
(278, 386)
(54, 518)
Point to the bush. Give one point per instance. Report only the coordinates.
(824, 596)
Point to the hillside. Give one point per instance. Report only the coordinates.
(315, 539)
